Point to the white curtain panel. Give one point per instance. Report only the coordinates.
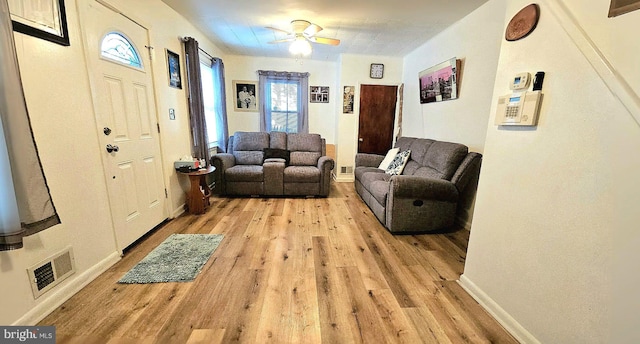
(26, 204)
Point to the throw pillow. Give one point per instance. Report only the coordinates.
(277, 153)
(397, 165)
(391, 154)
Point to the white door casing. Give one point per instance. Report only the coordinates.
(124, 103)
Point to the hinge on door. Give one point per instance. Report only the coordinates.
(166, 193)
(158, 125)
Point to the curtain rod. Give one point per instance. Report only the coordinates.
(206, 53)
(184, 39)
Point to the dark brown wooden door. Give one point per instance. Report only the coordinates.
(377, 116)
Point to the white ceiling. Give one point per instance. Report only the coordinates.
(371, 27)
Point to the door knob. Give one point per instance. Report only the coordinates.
(112, 148)
(361, 139)
(106, 131)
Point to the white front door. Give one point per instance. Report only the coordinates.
(126, 120)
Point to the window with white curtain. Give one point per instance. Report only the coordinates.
(284, 105)
(283, 101)
(210, 95)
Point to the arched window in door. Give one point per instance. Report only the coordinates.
(116, 47)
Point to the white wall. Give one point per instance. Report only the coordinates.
(463, 120)
(56, 84)
(354, 71)
(553, 199)
(476, 41)
(322, 118)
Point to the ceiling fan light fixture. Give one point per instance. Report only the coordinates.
(300, 47)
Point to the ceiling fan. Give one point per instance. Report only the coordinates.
(302, 32)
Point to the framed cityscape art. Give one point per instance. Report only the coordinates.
(440, 82)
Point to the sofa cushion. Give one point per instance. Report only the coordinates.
(250, 141)
(377, 184)
(244, 173)
(444, 158)
(278, 140)
(304, 142)
(305, 149)
(301, 174)
(248, 146)
(248, 157)
(304, 158)
(398, 163)
(361, 170)
(277, 153)
(388, 158)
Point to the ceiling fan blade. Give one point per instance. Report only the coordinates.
(311, 30)
(279, 30)
(290, 39)
(324, 40)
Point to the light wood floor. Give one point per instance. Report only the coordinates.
(289, 270)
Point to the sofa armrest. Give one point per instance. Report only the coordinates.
(368, 160)
(221, 162)
(422, 188)
(325, 165)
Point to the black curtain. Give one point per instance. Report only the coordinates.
(200, 142)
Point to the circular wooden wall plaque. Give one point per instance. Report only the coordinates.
(523, 23)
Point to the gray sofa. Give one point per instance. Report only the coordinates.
(439, 180)
(273, 164)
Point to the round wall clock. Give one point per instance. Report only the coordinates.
(523, 23)
(376, 71)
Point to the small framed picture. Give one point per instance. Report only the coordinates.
(348, 97)
(173, 64)
(619, 7)
(319, 94)
(45, 19)
(246, 95)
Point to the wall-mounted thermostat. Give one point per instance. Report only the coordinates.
(520, 81)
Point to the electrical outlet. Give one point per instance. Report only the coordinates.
(172, 114)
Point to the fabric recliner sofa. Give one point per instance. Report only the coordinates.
(247, 169)
(439, 180)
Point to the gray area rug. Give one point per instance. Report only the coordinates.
(178, 259)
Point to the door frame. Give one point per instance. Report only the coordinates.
(82, 9)
(357, 120)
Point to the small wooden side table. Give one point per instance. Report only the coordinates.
(197, 198)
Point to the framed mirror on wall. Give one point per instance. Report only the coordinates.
(619, 7)
(45, 19)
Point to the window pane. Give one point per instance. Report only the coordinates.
(209, 99)
(284, 106)
(116, 47)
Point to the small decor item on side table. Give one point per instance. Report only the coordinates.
(523, 23)
(376, 71)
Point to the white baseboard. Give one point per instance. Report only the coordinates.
(178, 211)
(345, 179)
(65, 291)
(505, 319)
